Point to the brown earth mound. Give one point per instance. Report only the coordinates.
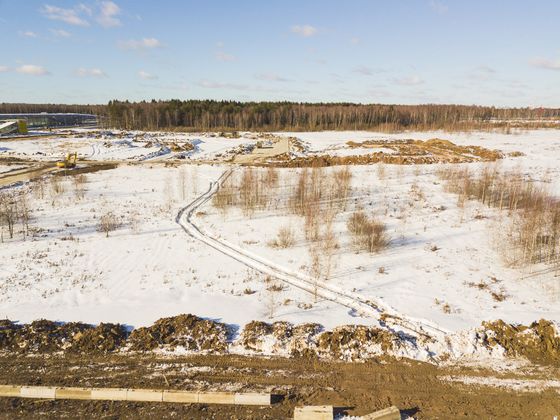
(539, 342)
(187, 331)
(44, 336)
(405, 152)
(354, 341)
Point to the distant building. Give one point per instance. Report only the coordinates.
(11, 127)
(53, 120)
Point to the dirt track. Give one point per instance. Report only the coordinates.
(355, 388)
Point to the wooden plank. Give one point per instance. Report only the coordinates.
(180, 396)
(314, 412)
(389, 413)
(10, 390)
(216, 397)
(38, 392)
(252, 398)
(111, 394)
(144, 395)
(73, 393)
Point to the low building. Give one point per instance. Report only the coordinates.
(11, 127)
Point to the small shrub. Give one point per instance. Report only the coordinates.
(367, 233)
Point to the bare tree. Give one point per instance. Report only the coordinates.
(108, 222)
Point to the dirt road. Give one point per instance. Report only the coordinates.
(355, 388)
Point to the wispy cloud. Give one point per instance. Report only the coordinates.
(93, 72)
(304, 30)
(409, 81)
(4, 69)
(140, 44)
(223, 56)
(545, 63)
(70, 16)
(482, 73)
(355, 40)
(439, 7)
(108, 14)
(367, 71)
(28, 34)
(61, 33)
(146, 76)
(220, 85)
(271, 77)
(32, 69)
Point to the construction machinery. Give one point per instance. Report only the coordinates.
(68, 162)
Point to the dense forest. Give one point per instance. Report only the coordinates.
(262, 116)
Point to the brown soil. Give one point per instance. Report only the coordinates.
(407, 152)
(538, 342)
(354, 388)
(187, 331)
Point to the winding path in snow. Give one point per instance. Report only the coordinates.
(375, 308)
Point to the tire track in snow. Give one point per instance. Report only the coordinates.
(377, 309)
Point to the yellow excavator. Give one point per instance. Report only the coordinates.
(68, 162)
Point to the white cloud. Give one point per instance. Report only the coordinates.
(482, 73)
(69, 16)
(61, 33)
(409, 81)
(140, 44)
(32, 69)
(222, 56)
(219, 85)
(545, 63)
(355, 40)
(304, 30)
(107, 15)
(28, 34)
(4, 69)
(367, 71)
(146, 76)
(439, 7)
(94, 72)
(271, 77)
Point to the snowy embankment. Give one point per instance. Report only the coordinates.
(442, 265)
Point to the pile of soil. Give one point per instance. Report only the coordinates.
(539, 342)
(348, 342)
(407, 152)
(45, 336)
(351, 342)
(187, 331)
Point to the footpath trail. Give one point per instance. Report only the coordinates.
(365, 306)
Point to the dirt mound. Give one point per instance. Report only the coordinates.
(281, 338)
(44, 336)
(539, 342)
(187, 331)
(351, 342)
(101, 339)
(40, 336)
(404, 152)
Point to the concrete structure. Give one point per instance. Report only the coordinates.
(54, 120)
(11, 127)
(314, 412)
(125, 394)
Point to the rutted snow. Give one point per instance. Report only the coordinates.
(150, 268)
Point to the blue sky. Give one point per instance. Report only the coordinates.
(499, 52)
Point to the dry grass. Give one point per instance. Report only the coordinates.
(367, 233)
(284, 239)
(531, 233)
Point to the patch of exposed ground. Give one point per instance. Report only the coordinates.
(420, 390)
(403, 152)
(538, 343)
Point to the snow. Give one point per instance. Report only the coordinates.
(150, 267)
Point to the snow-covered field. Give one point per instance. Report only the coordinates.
(149, 267)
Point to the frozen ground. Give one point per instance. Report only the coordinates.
(149, 267)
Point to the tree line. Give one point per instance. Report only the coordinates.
(206, 115)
